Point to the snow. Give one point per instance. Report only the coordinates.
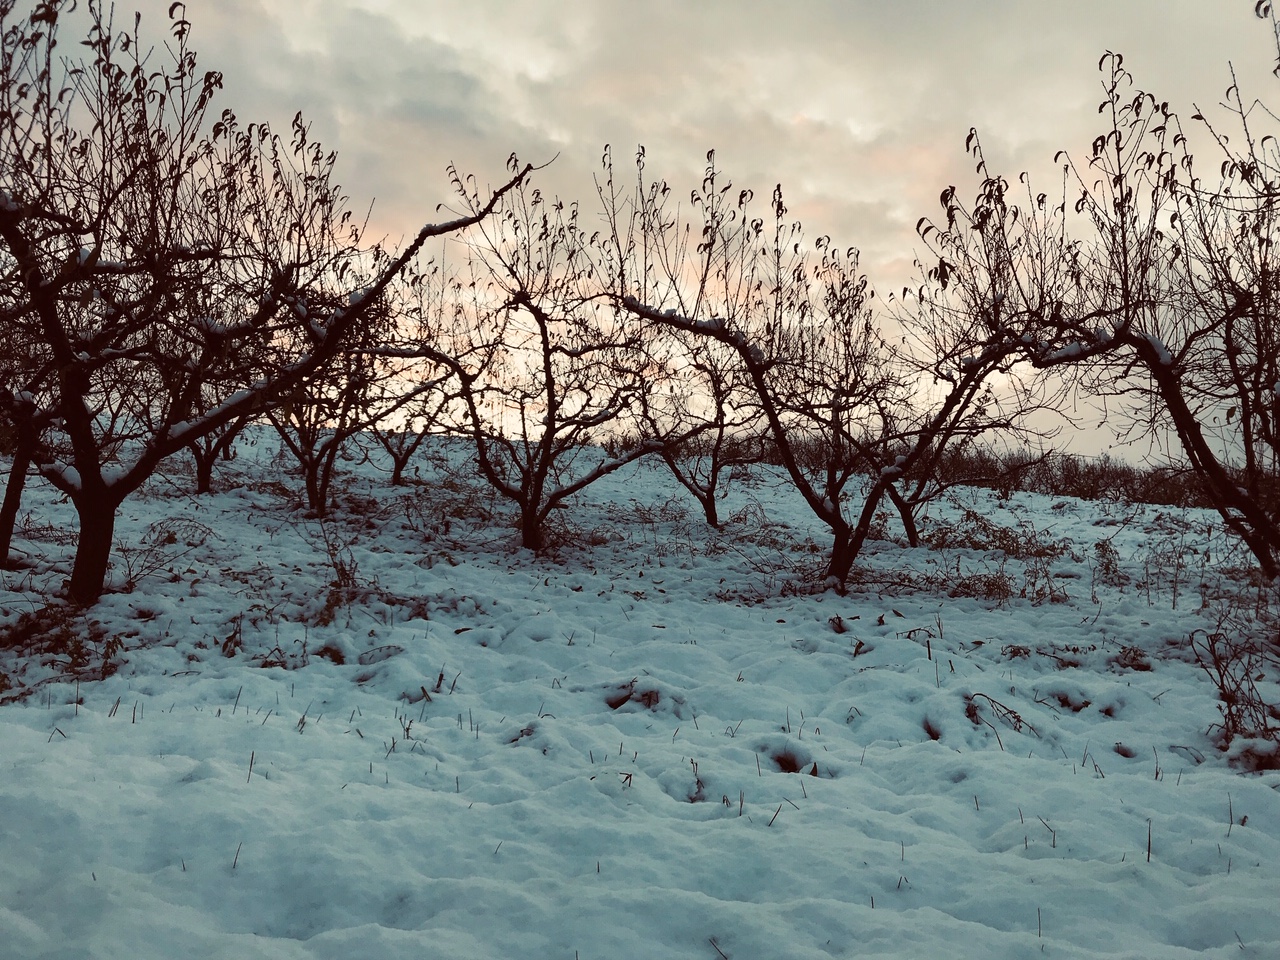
(1069, 352)
(894, 469)
(240, 396)
(597, 768)
(1164, 357)
(69, 475)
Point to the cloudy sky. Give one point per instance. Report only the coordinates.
(859, 108)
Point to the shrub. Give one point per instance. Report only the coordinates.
(1235, 664)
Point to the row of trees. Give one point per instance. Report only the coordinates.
(169, 277)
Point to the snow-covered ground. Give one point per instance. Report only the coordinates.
(395, 735)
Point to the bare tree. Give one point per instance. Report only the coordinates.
(403, 436)
(560, 368)
(218, 387)
(419, 394)
(318, 418)
(695, 399)
(800, 333)
(837, 402)
(696, 403)
(1155, 289)
(955, 342)
(369, 380)
(122, 212)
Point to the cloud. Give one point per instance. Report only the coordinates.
(859, 108)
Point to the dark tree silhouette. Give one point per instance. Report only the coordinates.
(836, 402)
(1150, 285)
(123, 211)
(559, 368)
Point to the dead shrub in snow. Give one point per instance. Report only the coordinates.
(66, 639)
(450, 505)
(1169, 559)
(1132, 658)
(563, 534)
(345, 583)
(993, 586)
(1240, 653)
(30, 529)
(1106, 568)
(160, 548)
(1006, 714)
(1107, 564)
(974, 531)
(1023, 542)
(660, 530)
(1040, 583)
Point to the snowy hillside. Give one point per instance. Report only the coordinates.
(395, 735)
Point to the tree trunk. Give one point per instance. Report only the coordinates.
(401, 454)
(13, 498)
(711, 510)
(397, 470)
(26, 436)
(209, 450)
(315, 488)
(843, 553)
(907, 514)
(705, 494)
(326, 468)
(531, 532)
(869, 508)
(848, 543)
(93, 549)
(204, 467)
(1242, 513)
